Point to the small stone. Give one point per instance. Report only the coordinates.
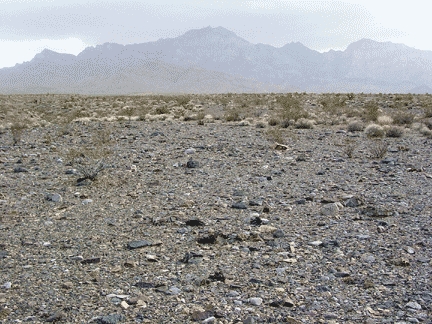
(190, 151)
(20, 169)
(278, 234)
(91, 260)
(53, 197)
(256, 301)
(191, 164)
(353, 202)
(316, 243)
(57, 316)
(267, 229)
(239, 205)
(195, 222)
(410, 250)
(7, 285)
(210, 319)
(86, 201)
(151, 258)
(110, 319)
(280, 147)
(67, 285)
(413, 305)
(330, 210)
(124, 305)
(130, 264)
(138, 244)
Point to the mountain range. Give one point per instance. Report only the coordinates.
(216, 60)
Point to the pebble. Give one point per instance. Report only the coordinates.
(413, 305)
(256, 301)
(53, 197)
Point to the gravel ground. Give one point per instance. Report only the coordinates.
(215, 224)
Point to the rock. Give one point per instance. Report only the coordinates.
(316, 243)
(413, 305)
(190, 151)
(138, 244)
(91, 260)
(191, 164)
(207, 239)
(210, 319)
(280, 147)
(86, 201)
(256, 301)
(195, 222)
(7, 285)
(267, 229)
(110, 319)
(353, 202)
(279, 234)
(67, 285)
(201, 315)
(330, 210)
(239, 205)
(20, 170)
(124, 305)
(53, 197)
(56, 317)
(256, 221)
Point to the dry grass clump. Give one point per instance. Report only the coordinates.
(371, 111)
(374, 130)
(349, 149)
(378, 149)
(403, 118)
(426, 131)
(355, 126)
(304, 123)
(385, 120)
(394, 131)
(273, 121)
(232, 115)
(17, 129)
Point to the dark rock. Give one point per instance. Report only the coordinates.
(191, 257)
(239, 205)
(110, 319)
(138, 244)
(53, 197)
(278, 234)
(58, 316)
(353, 202)
(341, 274)
(145, 285)
(3, 254)
(195, 222)
(208, 239)
(157, 134)
(256, 221)
(20, 169)
(191, 164)
(255, 203)
(301, 201)
(217, 276)
(91, 260)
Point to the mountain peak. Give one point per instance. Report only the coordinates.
(46, 54)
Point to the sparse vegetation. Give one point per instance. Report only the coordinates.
(378, 149)
(374, 130)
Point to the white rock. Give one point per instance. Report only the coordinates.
(256, 301)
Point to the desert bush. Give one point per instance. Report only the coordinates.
(403, 118)
(371, 111)
(291, 108)
(378, 149)
(304, 123)
(428, 112)
(275, 135)
(161, 110)
(355, 126)
(394, 131)
(232, 115)
(349, 149)
(88, 162)
(273, 121)
(374, 130)
(285, 123)
(428, 123)
(17, 130)
(385, 120)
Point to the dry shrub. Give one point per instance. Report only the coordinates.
(425, 131)
(232, 115)
(17, 130)
(394, 131)
(371, 111)
(378, 149)
(275, 135)
(385, 120)
(304, 123)
(374, 130)
(273, 121)
(403, 118)
(355, 126)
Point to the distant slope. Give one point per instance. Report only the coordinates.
(217, 60)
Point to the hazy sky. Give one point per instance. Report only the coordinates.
(27, 27)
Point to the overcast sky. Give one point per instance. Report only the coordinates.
(27, 27)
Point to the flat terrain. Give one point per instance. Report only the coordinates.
(223, 209)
